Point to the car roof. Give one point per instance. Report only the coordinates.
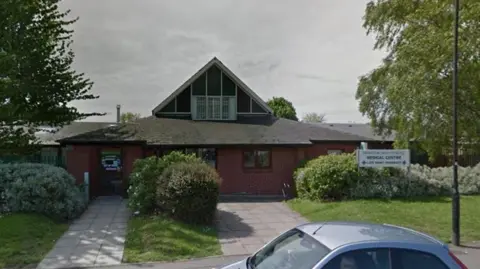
(334, 234)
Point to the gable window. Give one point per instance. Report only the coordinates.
(257, 158)
(214, 108)
(213, 93)
(214, 96)
(201, 107)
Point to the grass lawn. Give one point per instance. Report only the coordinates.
(161, 239)
(430, 215)
(27, 238)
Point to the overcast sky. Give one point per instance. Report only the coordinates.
(139, 51)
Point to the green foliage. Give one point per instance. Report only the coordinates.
(282, 108)
(420, 181)
(327, 177)
(37, 83)
(129, 117)
(314, 118)
(40, 188)
(410, 92)
(189, 192)
(144, 179)
(336, 177)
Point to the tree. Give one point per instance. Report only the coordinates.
(37, 83)
(282, 108)
(314, 117)
(129, 117)
(410, 92)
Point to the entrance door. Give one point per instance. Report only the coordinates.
(111, 172)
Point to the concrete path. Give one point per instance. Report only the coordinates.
(469, 254)
(201, 263)
(96, 238)
(244, 227)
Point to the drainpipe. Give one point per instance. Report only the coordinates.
(118, 113)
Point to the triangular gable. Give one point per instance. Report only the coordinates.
(215, 61)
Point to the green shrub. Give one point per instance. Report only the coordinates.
(144, 179)
(189, 192)
(327, 177)
(337, 177)
(419, 181)
(40, 188)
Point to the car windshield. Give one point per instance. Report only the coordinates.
(293, 249)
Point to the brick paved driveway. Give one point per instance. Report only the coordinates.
(244, 227)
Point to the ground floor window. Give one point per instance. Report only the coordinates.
(335, 151)
(260, 158)
(209, 155)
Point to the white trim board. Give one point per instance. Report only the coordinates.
(224, 69)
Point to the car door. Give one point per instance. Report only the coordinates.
(414, 259)
(371, 258)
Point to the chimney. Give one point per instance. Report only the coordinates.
(118, 113)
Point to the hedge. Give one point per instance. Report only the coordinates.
(336, 177)
(40, 188)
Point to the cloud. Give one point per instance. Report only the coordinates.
(138, 52)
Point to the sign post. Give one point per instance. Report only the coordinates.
(456, 194)
(379, 158)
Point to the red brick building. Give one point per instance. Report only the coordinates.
(215, 115)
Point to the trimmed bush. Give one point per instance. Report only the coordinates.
(327, 177)
(144, 179)
(189, 192)
(40, 188)
(336, 177)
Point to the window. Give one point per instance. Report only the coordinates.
(257, 159)
(209, 155)
(359, 259)
(293, 249)
(226, 108)
(384, 258)
(411, 259)
(201, 108)
(214, 108)
(334, 151)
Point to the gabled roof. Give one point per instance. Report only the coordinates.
(265, 130)
(224, 69)
(359, 129)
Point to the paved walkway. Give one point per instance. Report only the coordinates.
(96, 238)
(469, 254)
(201, 263)
(244, 227)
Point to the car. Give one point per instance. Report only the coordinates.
(351, 245)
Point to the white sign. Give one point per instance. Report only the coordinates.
(383, 158)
